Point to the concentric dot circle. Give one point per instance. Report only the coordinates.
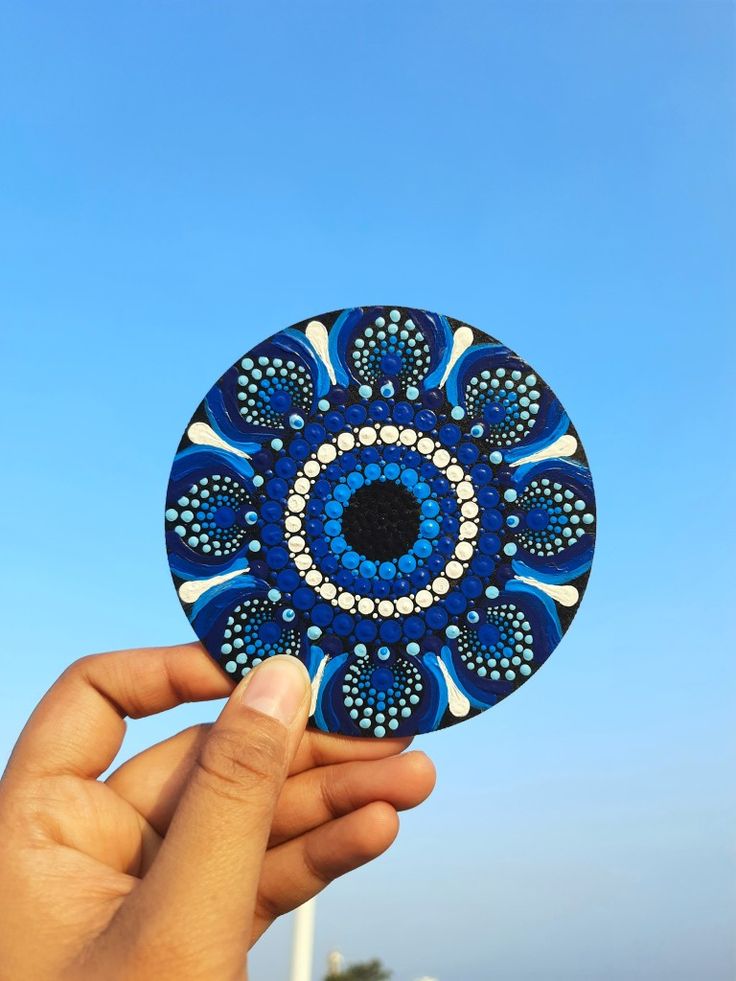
(393, 497)
(325, 454)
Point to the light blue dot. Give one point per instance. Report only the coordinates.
(365, 723)
(226, 649)
(251, 517)
(230, 666)
(496, 457)
(412, 648)
(588, 519)
(193, 540)
(257, 480)
(323, 405)
(412, 393)
(296, 422)
(274, 595)
(458, 412)
(492, 592)
(379, 732)
(510, 494)
(254, 546)
(473, 617)
(476, 431)
(277, 444)
(387, 390)
(186, 516)
(365, 391)
(314, 633)
(512, 521)
(288, 615)
(510, 548)
(384, 653)
(395, 316)
(361, 650)
(172, 515)
(452, 631)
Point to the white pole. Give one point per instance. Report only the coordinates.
(302, 951)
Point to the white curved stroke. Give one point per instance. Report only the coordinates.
(461, 341)
(317, 336)
(564, 595)
(564, 446)
(457, 702)
(316, 682)
(204, 435)
(189, 592)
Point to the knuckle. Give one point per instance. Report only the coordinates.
(237, 766)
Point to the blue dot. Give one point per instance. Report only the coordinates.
(269, 632)
(493, 413)
(488, 634)
(537, 519)
(303, 598)
(387, 570)
(280, 400)
(391, 364)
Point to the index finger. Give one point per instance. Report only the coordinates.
(79, 724)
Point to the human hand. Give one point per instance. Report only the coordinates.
(177, 863)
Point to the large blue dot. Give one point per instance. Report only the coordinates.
(269, 632)
(280, 400)
(537, 519)
(225, 517)
(494, 413)
(382, 679)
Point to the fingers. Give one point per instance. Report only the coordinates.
(317, 796)
(79, 724)
(294, 872)
(153, 780)
(201, 889)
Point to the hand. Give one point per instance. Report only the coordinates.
(177, 863)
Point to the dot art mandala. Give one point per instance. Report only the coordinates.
(396, 499)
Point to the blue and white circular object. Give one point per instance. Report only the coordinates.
(396, 499)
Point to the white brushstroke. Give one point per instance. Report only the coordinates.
(564, 446)
(189, 592)
(564, 595)
(316, 682)
(461, 341)
(458, 704)
(317, 335)
(204, 435)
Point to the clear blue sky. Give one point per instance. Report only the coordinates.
(181, 179)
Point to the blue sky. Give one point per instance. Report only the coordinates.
(182, 179)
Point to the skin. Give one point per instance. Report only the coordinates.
(178, 862)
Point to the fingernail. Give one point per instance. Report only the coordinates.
(276, 688)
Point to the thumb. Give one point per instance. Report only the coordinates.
(200, 893)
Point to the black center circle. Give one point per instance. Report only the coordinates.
(381, 520)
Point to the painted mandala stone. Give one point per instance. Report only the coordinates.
(396, 499)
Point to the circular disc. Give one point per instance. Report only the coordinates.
(396, 499)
